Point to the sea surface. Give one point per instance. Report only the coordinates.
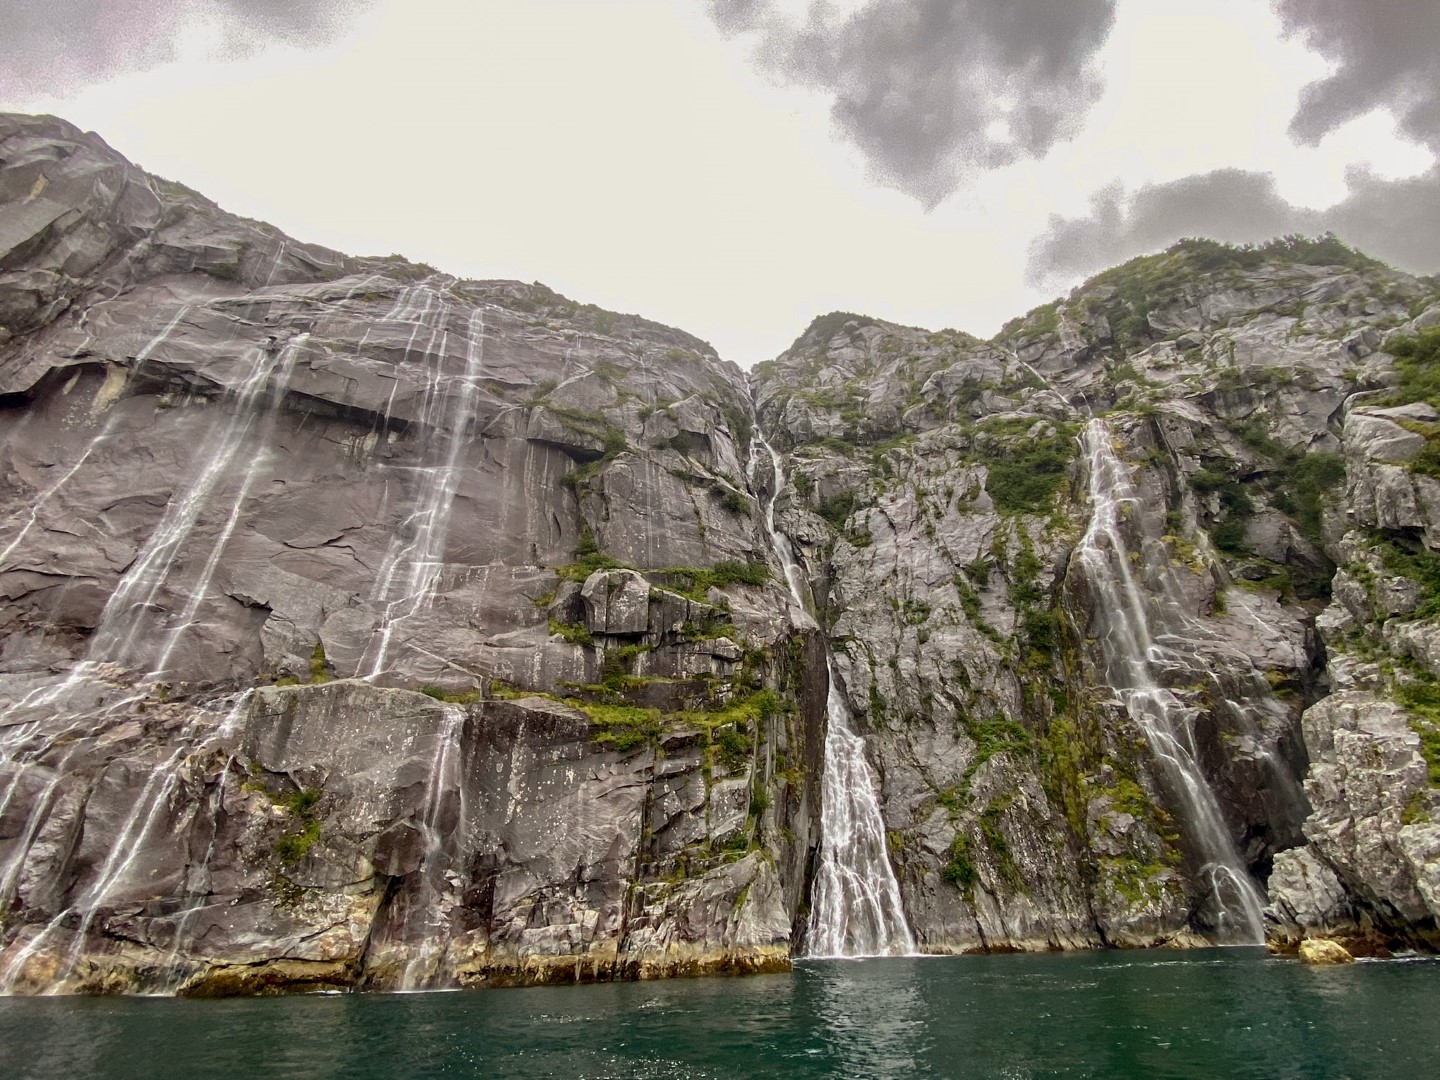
(1207, 1013)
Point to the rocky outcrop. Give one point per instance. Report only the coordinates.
(367, 627)
(939, 498)
(237, 464)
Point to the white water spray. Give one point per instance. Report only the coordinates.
(1129, 651)
(856, 908)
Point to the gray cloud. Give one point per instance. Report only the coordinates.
(918, 84)
(1397, 221)
(50, 46)
(1387, 54)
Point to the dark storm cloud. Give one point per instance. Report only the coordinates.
(918, 84)
(50, 46)
(1398, 221)
(1387, 54)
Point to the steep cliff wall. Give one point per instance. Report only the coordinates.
(232, 460)
(363, 626)
(944, 497)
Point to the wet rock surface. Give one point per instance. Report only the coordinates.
(361, 626)
(232, 460)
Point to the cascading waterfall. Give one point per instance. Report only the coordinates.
(856, 908)
(143, 827)
(410, 573)
(1129, 650)
(126, 619)
(283, 369)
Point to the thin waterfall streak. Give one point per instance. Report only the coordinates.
(131, 840)
(128, 844)
(139, 590)
(857, 908)
(195, 901)
(419, 970)
(414, 563)
(282, 370)
(1128, 647)
(54, 489)
(159, 339)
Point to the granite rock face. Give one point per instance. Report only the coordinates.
(363, 627)
(940, 496)
(231, 460)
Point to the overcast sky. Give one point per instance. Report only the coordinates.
(736, 167)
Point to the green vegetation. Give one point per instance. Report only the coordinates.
(997, 735)
(734, 502)
(618, 666)
(294, 846)
(302, 801)
(622, 727)
(1153, 282)
(300, 804)
(626, 727)
(697, 580)
(1422, 698)
(613, 442)
(997, 843)
(1420, 565)
(451, 697)
(574, 633)
(1024, 473)
(1235, 503)
(742, 428)
(722, 575)
(1417, 363)
(836, 509)
(319, 667)
(543, 389)
(1300, 486)
(1296, 483)
(960, 870)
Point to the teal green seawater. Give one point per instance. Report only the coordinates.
(1211, 1013)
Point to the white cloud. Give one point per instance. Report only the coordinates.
(628, 155)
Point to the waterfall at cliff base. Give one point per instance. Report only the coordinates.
(855, 906)
(1130, 650)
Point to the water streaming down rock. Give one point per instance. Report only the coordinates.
(947, 580)
(411, 571)
(855, 908)
(52, 955)
(132, 616)
(1130, 649)
(44, 497)
(259, 431)
(432, 896)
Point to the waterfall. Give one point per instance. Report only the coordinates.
(856, 908)
(410, 573)
(431, 898)
(44, 497)
(148, 823)
(1130, 651)
(126, 624)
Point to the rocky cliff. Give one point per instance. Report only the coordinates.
(1049, 765)
(368, 627)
